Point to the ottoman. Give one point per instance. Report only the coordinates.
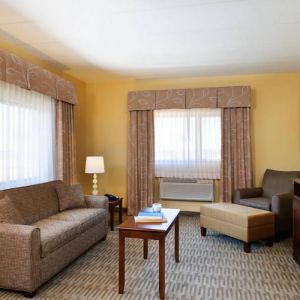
(241, 222)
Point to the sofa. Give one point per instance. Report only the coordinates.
(275, 195)
(39, 235)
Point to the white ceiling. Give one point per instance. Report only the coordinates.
(100, 39)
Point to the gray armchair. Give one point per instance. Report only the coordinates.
(276, 195)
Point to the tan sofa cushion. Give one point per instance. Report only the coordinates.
(45, 198)
(9, 213)
(25, 204)
(237, 214)
(56, 233)
(70, 196)
(87, 217)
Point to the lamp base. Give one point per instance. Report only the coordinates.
(95, 185)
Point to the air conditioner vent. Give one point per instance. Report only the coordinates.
(186, 189)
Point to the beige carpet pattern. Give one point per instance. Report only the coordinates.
(210, 268)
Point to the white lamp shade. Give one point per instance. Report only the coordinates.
(94, 165)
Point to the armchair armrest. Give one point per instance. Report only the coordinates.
(19, 257)
(247, 193)
(282, 207)
(96, 201)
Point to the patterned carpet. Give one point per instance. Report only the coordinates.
(211, 268)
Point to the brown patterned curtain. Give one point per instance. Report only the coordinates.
(236, 151)
(65, 142)
(140, 160)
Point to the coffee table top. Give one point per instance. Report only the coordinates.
(169, 213)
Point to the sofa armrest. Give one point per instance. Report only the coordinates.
(96, 202)
(282, 207)
(19, 257)
(247, 193)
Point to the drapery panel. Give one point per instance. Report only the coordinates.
(27, 137)
(188, 143)
(140, 161)
(65, 142)
(236, 151)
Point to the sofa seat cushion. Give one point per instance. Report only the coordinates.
(56, 233)
(87, 217)
(259, 202)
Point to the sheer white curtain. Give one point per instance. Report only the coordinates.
(188, 143)
(27, 137)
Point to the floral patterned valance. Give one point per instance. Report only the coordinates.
(233, 96)
(18, 71)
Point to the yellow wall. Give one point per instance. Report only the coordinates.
(275, 123)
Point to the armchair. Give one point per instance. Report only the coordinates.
(276, 195)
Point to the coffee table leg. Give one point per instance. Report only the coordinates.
(162, 267)
(121, 262)
(120, 211)
(177, 240)
(145, 249)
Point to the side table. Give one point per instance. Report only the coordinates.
(112, 204)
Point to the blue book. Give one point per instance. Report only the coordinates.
(150, 214)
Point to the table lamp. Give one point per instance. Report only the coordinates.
(94, 165)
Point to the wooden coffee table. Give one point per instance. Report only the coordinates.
(130, 229)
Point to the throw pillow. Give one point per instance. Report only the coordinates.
(70, 196)
(9, 213)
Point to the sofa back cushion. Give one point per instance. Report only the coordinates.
(70, 196)
(9, 213)
(278, 182)
(45, 198)
(23, 202)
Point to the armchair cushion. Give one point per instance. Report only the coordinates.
(258, 202)
(247, 193)
(278, 182)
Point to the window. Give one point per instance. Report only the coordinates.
(188, 143)
(27, 142)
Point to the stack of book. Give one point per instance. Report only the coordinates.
(147, 215)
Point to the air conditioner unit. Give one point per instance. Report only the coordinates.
(186, 189)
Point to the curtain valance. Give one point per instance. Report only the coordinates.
(222, 97)
(18, 71)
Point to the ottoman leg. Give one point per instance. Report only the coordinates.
(203, 231)
(269, 242)
(247, 247)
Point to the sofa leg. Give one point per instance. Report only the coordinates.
(269, 242)
(203, 231)
(104, 238)
(29, 295)
(247, 247)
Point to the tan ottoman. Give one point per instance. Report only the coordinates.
(241, 222)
